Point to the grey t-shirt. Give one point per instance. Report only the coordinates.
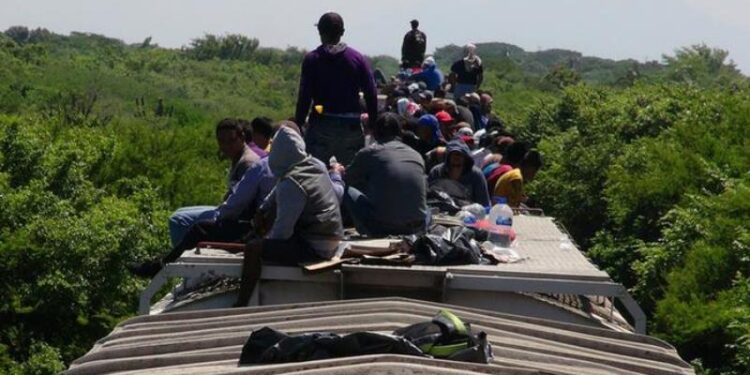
(392, 175)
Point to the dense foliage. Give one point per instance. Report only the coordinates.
(647, 166)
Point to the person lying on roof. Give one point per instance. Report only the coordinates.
(386, 185)
(459, 168)
(307, 225)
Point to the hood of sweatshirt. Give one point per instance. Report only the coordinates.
(461, 147)
(331, 49)
(288, 150)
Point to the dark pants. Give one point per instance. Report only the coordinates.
(225, 231)
(330, 136)
(289, 252)
(361, 210)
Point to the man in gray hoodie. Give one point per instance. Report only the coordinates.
(307, 225)
(459, 167)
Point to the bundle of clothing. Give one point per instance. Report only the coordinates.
(446, 336)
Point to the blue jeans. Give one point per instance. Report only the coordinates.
(182, 219)
(361, 210)
(334, 136)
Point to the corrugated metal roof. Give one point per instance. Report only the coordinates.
(210, 341)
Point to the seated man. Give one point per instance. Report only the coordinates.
(459, 167)
(510, 184)
(386, 186)
(230, 137)
(307, 224)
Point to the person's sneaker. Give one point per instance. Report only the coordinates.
(147, 269)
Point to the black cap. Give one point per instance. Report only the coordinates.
(330, 23)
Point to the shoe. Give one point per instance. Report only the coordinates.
(147, 269)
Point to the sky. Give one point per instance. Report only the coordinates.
(618, 29)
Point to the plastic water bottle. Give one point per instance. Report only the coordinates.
(501, 222)
(475, 209)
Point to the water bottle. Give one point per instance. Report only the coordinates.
(501, 221)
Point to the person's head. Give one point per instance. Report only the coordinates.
(230, 138)
(388, 126)
(446, 122)
(262, 131)
(458, 158)
(289, 124)
(401, 105)
(288, 150)
(440, 92)
(428, 62)
(331, 28)
(414, 24)
(471, 98)
(470, 50)
(502, 143)
(247, 130)
(515, 153)
(485, 103)
(531, 164)
(463, 129)
(495, 123)
(428, 129)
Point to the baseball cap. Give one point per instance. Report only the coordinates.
(444, 116)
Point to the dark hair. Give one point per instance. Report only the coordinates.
(247, 130)
(414, 23)
(495, 123)
(515, 153)
(331, 24)
(229, 124)
(411, 123)
(533, 159)
(263, 125)
(388, 126)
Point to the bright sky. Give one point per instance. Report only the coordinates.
(640, 29)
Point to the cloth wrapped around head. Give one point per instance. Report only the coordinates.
(431, 122)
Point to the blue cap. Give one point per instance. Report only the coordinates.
(501, 200)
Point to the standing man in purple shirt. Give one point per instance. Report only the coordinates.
(333, 75)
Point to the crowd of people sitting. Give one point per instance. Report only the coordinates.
(354, 156)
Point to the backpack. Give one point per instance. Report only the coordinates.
(446, 336)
